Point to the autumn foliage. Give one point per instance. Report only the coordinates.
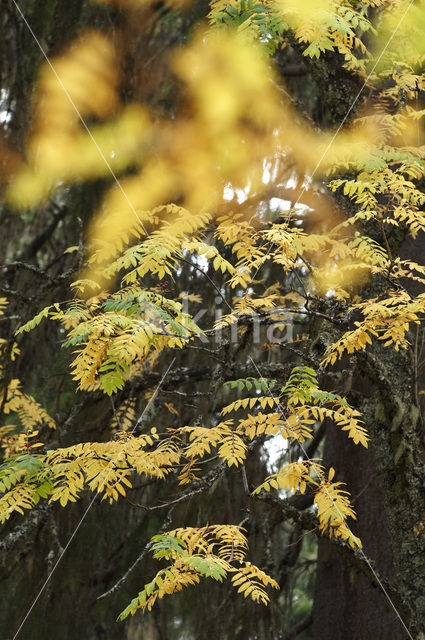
(165, 206)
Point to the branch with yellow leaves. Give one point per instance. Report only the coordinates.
(290, 510)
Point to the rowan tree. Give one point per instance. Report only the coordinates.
(212, 350)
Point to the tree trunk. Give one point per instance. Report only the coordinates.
(388, 495)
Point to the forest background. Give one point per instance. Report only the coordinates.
(212, 353)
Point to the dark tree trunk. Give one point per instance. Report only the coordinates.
(347, 606)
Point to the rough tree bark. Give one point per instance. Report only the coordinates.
(386, 482)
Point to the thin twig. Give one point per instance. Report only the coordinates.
(195, 266)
